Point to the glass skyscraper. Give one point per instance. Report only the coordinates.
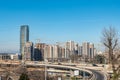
(24, 37)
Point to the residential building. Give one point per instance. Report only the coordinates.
(47, 52)
(70, 48)
(55, 52)
(39, 51)
(80, 50)
(85, 49)
(28, 51)
(91, 52)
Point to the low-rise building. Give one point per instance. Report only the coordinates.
(8, 56)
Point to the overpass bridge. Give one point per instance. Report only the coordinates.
(14, 65)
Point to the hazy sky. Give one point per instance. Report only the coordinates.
(56, 20)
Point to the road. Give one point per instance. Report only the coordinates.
(99, 75)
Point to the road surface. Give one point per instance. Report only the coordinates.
(99, 75)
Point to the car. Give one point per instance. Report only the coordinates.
(59, 64)
(103, 65)
(94, 64)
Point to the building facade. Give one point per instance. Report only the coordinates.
(80, 50)
(39, 51)
(70, 46)
(24, 37)
(28, 51)
(55, 52)
(91, 52)
(8, 56)
(85, 49)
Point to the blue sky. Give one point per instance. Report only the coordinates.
(56, 20)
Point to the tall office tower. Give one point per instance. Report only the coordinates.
(24, 37)
(91, 52)
(85, 49)
(28, 51)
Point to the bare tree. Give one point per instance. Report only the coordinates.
(110, 40)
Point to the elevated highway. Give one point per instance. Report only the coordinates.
(94, 75)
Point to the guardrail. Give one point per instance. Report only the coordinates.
(68, 67)
(106, 76)
(93, 77)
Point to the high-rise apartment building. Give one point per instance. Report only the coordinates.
(91, 51)
(51, 55)
(70, 45)
(63, 52)
(24, 37)
(39, 51)
(46, 52)
(28, 51)
(55, 51)
(76, 48)
(80, 50)
(85, 49)
(88, 50)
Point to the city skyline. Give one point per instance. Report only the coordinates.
(57, 21)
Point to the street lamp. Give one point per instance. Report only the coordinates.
(45, 60)
(45, 71)
(83, 69)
